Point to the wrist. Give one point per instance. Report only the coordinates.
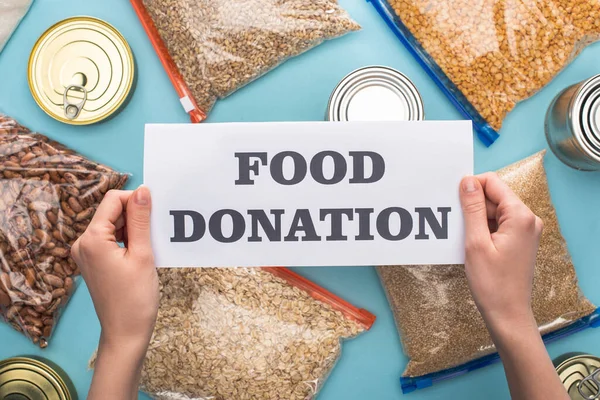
(506, 328)
(129, 348)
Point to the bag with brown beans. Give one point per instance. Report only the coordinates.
(48, 195)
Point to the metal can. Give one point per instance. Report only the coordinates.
(375, 93)
(81, 71)
(573, 125)
(24, 378)
(577, 372)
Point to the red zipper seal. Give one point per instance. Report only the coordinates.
(185, 94)
(362, 316)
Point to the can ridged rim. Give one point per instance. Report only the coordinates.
(352, 80)
(35, 53)
(568, 360)
(50, 374)
(586, 102)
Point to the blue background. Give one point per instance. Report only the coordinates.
(299, 90)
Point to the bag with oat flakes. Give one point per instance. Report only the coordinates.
(243, 333)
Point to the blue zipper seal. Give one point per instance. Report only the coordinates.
(411, 384)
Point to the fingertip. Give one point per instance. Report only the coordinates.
(141, 196)
(470, 184)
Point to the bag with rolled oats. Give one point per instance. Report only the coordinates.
(243, 333)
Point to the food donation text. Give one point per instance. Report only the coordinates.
(327, 167)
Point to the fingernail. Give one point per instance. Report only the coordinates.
(142, 196)
(469, 185)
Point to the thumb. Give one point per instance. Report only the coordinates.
(472, 199)
(138, 223)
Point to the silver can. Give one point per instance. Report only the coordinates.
(375, 93)
(573, 125)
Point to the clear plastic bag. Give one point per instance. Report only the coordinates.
(242, 333)
(11, 13)
(488, 55)
(210, 48)
(48, 195)
(442, 331)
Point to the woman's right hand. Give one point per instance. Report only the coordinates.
(502, 240)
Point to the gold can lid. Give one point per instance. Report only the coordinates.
(580, 375)
(81, 71)
(23, 378)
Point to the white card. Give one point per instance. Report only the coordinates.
(307, 193)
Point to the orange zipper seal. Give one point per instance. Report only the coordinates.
(184, 92)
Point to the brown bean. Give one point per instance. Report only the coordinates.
(54, 281)
(30, 277)
(54, 175)
(30, 311)
(52, 217)
(49, 245)
(57, 235)
(5, 299)
(47, 331)
(22, 242)
(74, 204)
(72, 191)
(103, 185)
(67, 231)
(34, 321)
(71, 178)
(59, 270)
(57, 293)
(85, 214)
(27, 157)
(35, 220)
(80, 227)
(60, 252)
(42, 235)
(5, 281)
(54, 306)
(67, 267)
(39, 309)
(67, 209)
(33, 330)
(68, 285)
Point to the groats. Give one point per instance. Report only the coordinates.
(81, 71)
(375, 93)
(573, 125)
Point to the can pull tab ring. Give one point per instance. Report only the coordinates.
(590, 384)
(72, 110)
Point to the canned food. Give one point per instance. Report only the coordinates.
(375, 94)
(573, 125)
(578, 372)
(81, 71)
(24, 378)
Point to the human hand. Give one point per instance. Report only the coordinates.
(502, 240)
(123, 282)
